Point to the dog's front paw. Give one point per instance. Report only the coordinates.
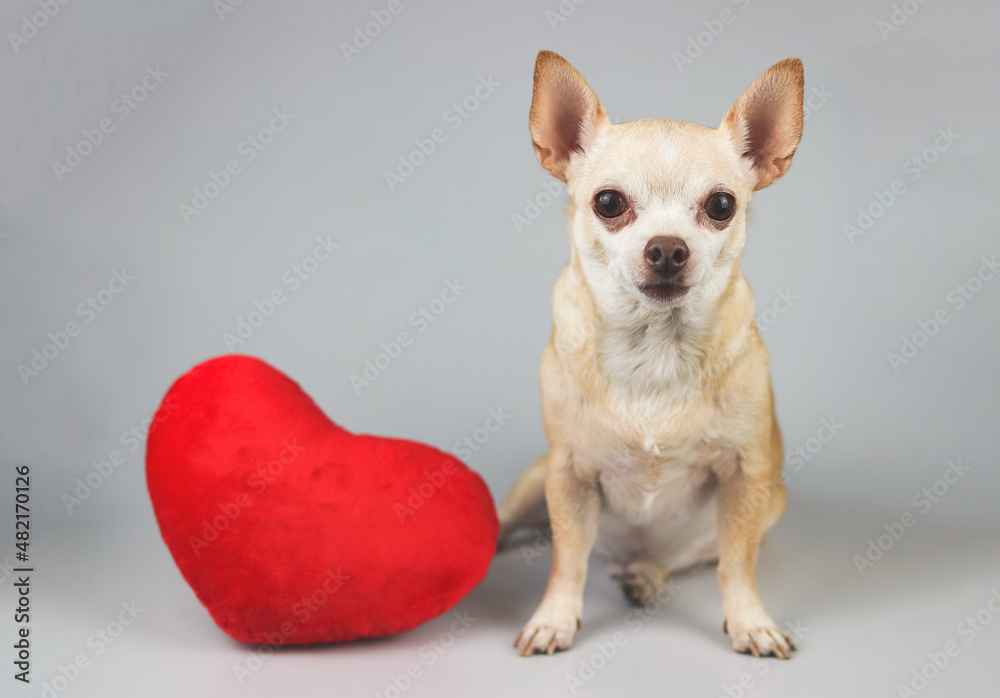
(762, 639)
(546, 634)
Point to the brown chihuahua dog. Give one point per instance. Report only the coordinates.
(656, 396)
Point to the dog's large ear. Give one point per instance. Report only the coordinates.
(766, 121)
(565, 114)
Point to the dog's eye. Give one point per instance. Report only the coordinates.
(720, 206)
(610, 204)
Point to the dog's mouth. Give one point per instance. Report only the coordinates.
(664, 291)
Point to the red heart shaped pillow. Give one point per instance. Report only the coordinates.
(292, 530)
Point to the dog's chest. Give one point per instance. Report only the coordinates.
(653, 365)
(640, 488)
(648, 466)
(653, 440)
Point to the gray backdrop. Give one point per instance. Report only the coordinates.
(900, 144)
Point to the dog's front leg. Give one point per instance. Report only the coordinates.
(574, 508)
(750, 500)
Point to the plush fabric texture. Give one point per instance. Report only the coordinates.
(292, 530)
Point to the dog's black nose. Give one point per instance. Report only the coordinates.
(666, 255)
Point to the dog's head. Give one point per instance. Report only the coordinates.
(660, 206)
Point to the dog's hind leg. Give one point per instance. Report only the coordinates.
(641, 581)
(524, 506)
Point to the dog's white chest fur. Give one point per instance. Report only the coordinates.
(651, 445)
